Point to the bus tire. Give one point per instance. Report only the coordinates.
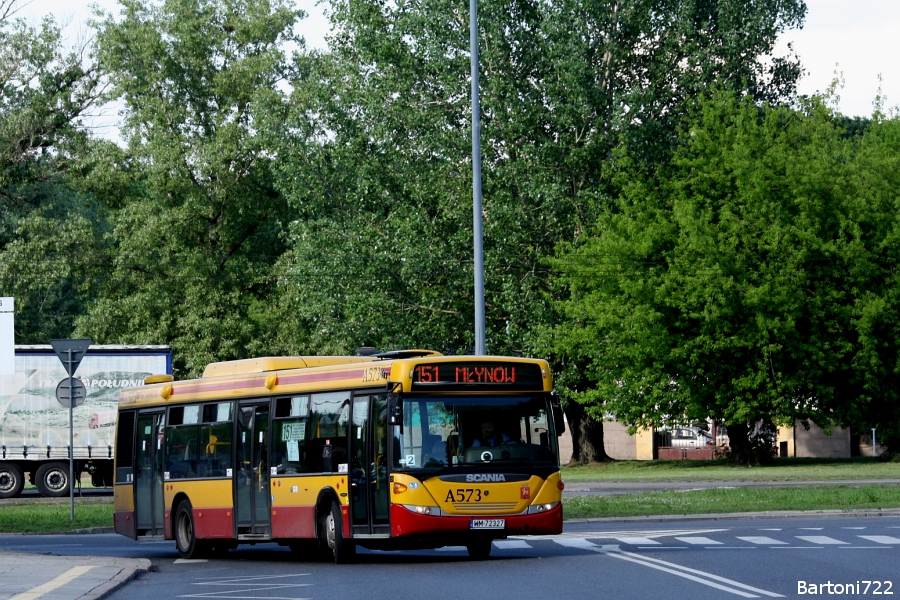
(480, 549)
(342, 549)
(185, 535)
(52, 479)
(11, 480)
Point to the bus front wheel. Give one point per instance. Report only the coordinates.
(479, 549)
(185, 535)
(342, 549)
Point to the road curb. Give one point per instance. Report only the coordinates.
(128, 572)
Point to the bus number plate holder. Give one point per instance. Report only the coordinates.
(487, 524)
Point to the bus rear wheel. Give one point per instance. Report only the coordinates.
(11, 480)
(186, 541)
(479, 549)
(342, 549)
(52, 479)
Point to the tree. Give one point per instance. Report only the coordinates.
(48, 231)
(376, 153)
(198, 232)
(744, 281)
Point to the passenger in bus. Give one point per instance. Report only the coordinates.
(490, 437)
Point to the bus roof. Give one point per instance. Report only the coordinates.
(303, 374)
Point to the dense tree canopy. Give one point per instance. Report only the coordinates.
(376, 154)
(198, 228)
(741, 283)
(47, 229)
(717, 253)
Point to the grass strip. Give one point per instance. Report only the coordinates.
(733, 500)
(782, 469)
(53, 518)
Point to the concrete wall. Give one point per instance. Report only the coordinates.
(814, 443)
(616, 441)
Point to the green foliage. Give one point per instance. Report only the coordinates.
(48, 231)
(377, 151)
(198, 229)
(742, 281)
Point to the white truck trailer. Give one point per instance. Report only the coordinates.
(34, 426)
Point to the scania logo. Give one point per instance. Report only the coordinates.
(485, 477)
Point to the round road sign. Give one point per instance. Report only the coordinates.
(64, 393)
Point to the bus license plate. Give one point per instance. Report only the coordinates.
(487, 524)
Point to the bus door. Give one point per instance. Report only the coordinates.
(149, 506)
(251, 480)
(369, 466)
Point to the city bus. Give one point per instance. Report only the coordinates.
(324, 454)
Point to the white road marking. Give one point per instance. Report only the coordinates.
(819, 539)
(637, 541)
(702, 577)
(698, 541)
(187, 561)
(760, 540)
(511, 544)
(260, 584)
(769, 529)
(852, 527)
(576, 543)
(810, 528)
(881, 539)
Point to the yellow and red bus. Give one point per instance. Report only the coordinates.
(324, 454)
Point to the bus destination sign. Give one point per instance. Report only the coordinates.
(488, 374)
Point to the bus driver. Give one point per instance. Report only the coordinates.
(490, 437)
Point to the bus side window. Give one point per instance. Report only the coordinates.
(292, 448)
(215, 440)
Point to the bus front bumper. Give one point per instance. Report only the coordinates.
(405, 522)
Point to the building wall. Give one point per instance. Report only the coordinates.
(616, 441)
(814, 443)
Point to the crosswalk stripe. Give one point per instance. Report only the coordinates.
(819, 539)
(511, 544)
(637, 541)
(698, 541)
(881, 539)
(575, 543)
(761, 540)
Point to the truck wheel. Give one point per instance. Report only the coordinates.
(52, 479)
(11, 480)
(186, 541)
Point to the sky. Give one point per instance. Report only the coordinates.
(856, 38)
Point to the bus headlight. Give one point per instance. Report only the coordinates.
(541, 508)
(432, 511)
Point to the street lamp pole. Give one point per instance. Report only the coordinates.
(480, 346)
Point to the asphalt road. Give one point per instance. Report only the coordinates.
(765, 558)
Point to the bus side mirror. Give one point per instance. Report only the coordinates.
(395, 411)
(559, 419)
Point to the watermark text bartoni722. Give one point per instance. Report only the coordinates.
(853, 588)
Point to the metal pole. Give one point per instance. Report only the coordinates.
(480, 346)
(874, 445)
(71, 440)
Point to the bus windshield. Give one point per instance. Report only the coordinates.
(464, 431)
